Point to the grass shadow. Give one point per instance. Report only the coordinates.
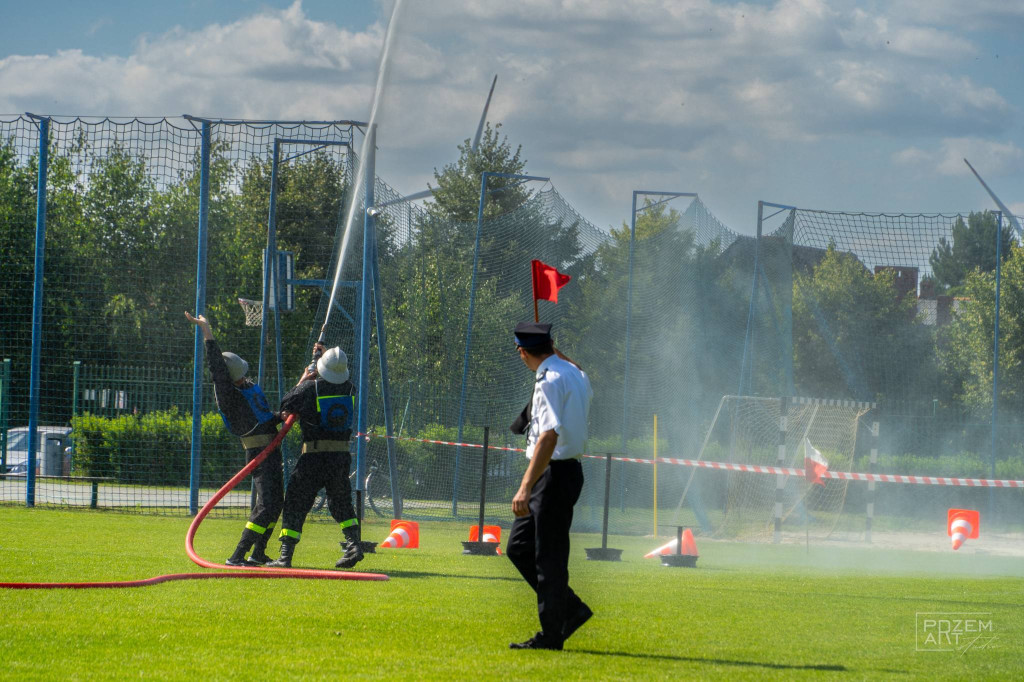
(428, 574)
(716, 661)
(881, 597)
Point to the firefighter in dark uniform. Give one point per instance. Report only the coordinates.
(555, 425)
(246, 414)
(324, 401)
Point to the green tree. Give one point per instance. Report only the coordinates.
(17, 224)
(428, 275)
(457, 194)
(310, 201)
(967, 342)
(666, 339)
(973, 247)
(853, 336)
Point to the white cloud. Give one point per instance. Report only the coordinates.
(912, 156)
(602, 94)
(879, 33)
(95, 26)
(966, 16)
(992, 158)
(268, 64)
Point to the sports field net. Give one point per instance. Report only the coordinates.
(749, 431)
(684, 355)
(120, 262)
(898, 309)
(841, 308)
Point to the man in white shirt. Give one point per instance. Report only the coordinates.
(538, 544)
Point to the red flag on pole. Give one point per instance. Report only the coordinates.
(547, 281)
(815, 464)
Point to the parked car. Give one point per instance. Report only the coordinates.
(53, 452)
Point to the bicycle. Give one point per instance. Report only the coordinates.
(376, 492)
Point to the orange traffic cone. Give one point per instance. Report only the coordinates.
(404, 534)
(689, 547)
(689, 544)
(491, 534)
(962, 524)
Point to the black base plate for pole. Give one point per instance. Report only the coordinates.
(687, 560)
(368, 547)
(604, 554)
(480, 548)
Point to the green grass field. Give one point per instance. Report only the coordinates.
(746, 611)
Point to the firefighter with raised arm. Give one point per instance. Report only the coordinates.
(246, 414)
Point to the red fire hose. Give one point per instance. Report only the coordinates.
(241, 572)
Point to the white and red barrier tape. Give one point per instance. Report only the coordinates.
(842, 475)
(762, 469)
(440, 442)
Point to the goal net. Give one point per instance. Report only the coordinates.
(775, 432)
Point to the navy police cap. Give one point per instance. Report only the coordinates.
(531, 334)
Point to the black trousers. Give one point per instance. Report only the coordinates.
(538, 544)
(268, 481)
(315, 470)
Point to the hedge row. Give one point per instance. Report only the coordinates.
(153, 448)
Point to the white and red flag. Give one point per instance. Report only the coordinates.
(815, 464)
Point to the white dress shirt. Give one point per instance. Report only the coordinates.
(561, 402)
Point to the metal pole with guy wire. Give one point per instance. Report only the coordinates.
(1012, 219)
(666, 197)
(472, 300)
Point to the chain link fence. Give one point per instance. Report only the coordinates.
(147, 218)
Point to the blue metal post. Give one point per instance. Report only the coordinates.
(197, 354)
(385, 383)
(268, 258)
(276, 269)
(746, 365)
(995, 365)
(469, 337)
(472, 301)
(5, 401)
(363, 390)
(76, 376)
(666, 197)
(37, 312)
(629, 322)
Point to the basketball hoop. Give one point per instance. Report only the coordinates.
(253, 312)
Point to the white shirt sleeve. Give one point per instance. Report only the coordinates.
(589, 389)
(544, 411)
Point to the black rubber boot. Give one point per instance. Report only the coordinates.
(259, 550)
(287, 548)
(248, 538)
(353, 550)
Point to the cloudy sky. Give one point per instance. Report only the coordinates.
(861, 105)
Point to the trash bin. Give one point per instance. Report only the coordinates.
(52, 460)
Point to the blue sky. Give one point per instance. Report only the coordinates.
(830, 104)
(113, 27)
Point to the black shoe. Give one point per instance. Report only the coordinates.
(258, 559)
(235, 562)
(538, 641)
(576, 621)
(352, 556)
(287, 549)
